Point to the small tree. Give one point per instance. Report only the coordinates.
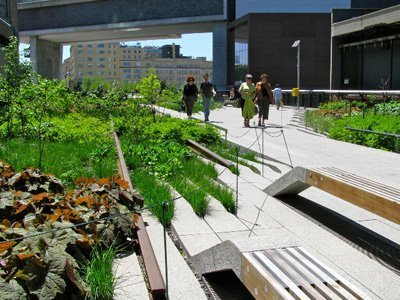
(14, 74)
(149, 89)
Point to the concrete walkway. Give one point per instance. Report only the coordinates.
(261, 217)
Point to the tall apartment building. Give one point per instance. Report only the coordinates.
(117, 61)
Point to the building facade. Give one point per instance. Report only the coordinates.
(8, 22)
(260, 40)
(115, 61)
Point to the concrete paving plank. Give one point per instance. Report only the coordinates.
(186, 222)
(197, 243)
(183, 284)
(130, 281)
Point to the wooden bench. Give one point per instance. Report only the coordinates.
(375, 197)
(293, 273)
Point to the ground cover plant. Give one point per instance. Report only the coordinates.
(46, 232)
(333, 118)
(69, 160)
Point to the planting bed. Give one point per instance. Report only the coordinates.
(47, 234)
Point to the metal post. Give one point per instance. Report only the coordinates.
(237, 180)
(164, 209)
(298, 73)
(262, 151)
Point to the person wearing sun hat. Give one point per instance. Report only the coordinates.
(190, 94)
(247, 90)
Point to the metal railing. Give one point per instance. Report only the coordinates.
(397, 136)
(312, 98)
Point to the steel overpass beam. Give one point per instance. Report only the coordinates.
(46, 57)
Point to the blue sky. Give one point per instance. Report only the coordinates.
(198, 44)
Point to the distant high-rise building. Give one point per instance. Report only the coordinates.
(118, 61)
(170, 51)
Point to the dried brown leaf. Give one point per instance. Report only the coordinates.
(6, 245)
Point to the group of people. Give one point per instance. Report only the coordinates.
(191, 92)
(260, 94)
(250, 95)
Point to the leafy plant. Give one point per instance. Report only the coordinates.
(149, 87)
(14, 74)
(56, 230)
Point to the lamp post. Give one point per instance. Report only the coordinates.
(297, 44)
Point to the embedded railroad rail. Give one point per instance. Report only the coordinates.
(155, 279)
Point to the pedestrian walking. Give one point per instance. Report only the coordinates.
(190, 94)
(264, 99)
(207, 91)
(278, 96)
(247, 90)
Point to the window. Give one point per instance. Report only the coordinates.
(79, 52)
(90, 65)
(80, 59)
(101, 59)
(100, 73)
(100, 45)
(90, 59)
(126, 70)
(126, 64)
(126, 76)
(89, 45)
(101, 66)
(80, 65)
(90, 73)
(100, 51)
(80, 73)
(90, 52)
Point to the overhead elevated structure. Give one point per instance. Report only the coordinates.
(48, 24)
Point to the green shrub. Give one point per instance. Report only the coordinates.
(388, 108)
(333, 105)
(379, 123)
(182, 130)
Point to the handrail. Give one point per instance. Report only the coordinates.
(156, 282)
(397, 136)
(360, 92)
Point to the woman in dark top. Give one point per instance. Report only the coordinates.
(190, 94)
(264, 98)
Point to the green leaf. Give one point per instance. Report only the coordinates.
(11, 290)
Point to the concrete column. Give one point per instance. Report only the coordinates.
(336, 65)
(46, 57)
(220, 56)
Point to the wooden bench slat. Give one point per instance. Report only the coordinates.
(267, 263)
(339, 280)
(310, 278)
(367, 188)
(256, 277)
(360, 179)
(373, 184)
(375, 203)
(292, 273)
